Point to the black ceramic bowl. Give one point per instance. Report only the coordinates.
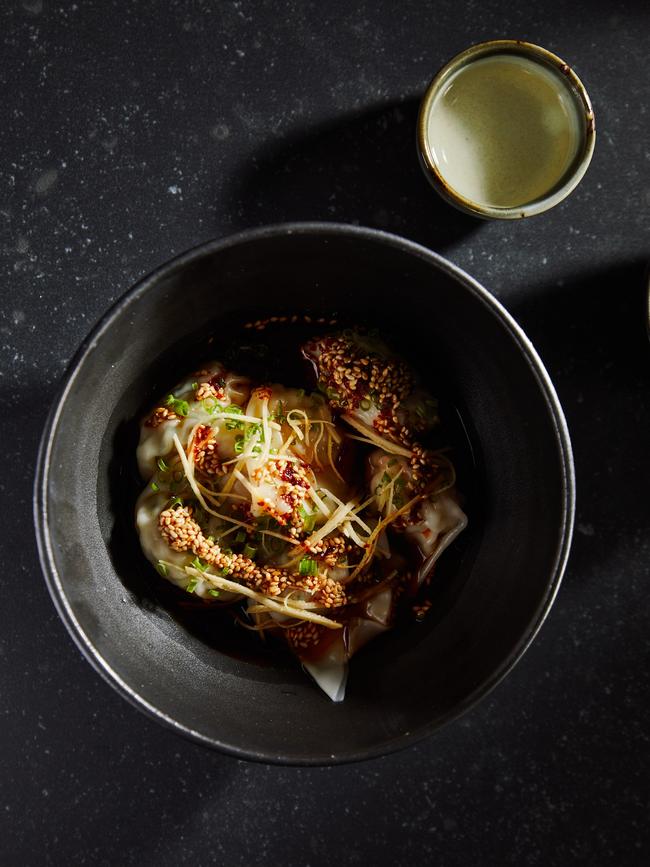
(499, 581)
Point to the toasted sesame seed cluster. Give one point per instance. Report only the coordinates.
(159, 415)
(205, 390)
(183, 533)
(261, 324)
(206, 459)
(423, 465)
(330, 550)
(350, 375)
(304, 636)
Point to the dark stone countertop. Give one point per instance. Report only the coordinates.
(132, 131)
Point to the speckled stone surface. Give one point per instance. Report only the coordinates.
(132, 131)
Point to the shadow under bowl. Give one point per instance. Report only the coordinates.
(506, 572)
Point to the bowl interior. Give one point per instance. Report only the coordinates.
(499, 580)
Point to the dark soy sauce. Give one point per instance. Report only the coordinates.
(272, 355)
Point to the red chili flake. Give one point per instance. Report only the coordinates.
(201, 434)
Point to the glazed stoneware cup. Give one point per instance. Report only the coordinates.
(505, 130)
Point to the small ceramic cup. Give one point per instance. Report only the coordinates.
(505, 130)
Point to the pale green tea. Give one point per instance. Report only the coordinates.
(504, 130)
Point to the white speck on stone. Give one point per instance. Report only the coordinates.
(586, 529)
(46, 181)
(220, 132)
(174, 190)
(18, 317)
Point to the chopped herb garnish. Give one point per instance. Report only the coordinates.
(162, 465)
(175, 501)
(210, 404)
(252, 429)
(233, 424)
(239, 444)
(195, 385)
(250, 552)
(199, 564)
(365, 403)
(307, 567)
(308, 519)
(191, 587)
(180, 407)
(213, 592)
(162, 568)
(155, 487)
(279, 414)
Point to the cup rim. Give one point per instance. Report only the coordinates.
(557, 193)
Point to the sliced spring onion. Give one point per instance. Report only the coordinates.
(214, 592)
(162, 465)
(233, 424)
(307, 567)
(250, 552)
(154, 487)
(191, 587)
(197, 563)
(180, 407)
(162, 568)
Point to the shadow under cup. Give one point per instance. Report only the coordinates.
(405, 684)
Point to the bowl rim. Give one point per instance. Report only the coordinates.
(43, 469)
